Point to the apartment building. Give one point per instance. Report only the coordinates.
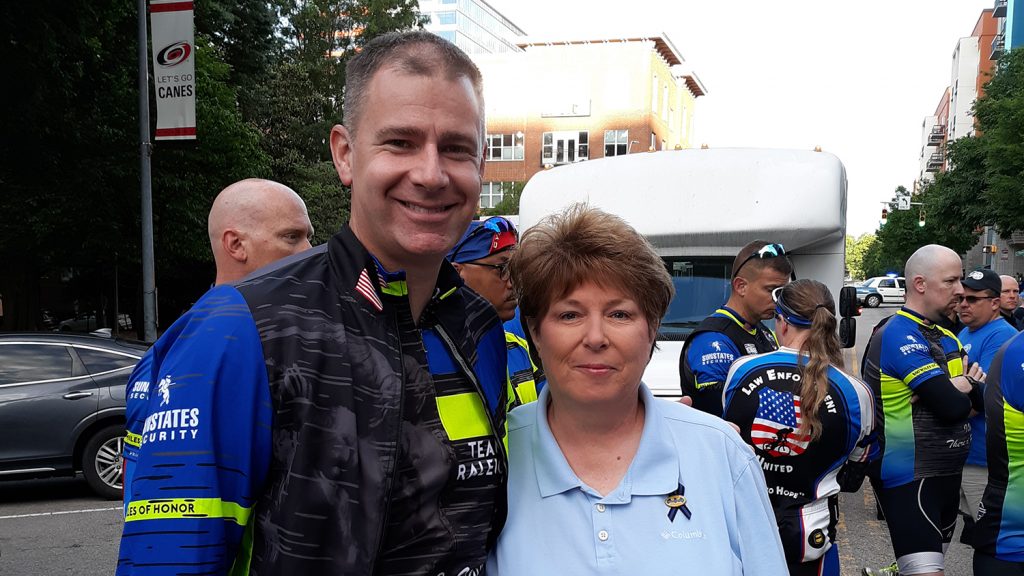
(472, 25)
(559, 101)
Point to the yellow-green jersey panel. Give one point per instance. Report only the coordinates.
(999, 530)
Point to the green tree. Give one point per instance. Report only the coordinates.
(954, 201)
(511, 192)
(856, 250)
(70, 162)
(300, 99)
(1000, 115)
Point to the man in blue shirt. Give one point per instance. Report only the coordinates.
(735, 329)
(481, 257)
(984, 334)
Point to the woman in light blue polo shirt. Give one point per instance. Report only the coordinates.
(603, 477)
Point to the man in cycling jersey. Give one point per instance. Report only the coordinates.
(915, 368)
(481, 256)
(735, 329)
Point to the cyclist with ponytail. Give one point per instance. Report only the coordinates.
(809, 424)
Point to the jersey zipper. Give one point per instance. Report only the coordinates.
(476, 384)
(394, 469)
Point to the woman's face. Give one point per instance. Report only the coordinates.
(595, 344)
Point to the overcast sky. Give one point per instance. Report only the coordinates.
(855, 77)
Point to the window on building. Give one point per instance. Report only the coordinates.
(654, 140)
(444, 18)
(448, 35)
(564, 147)
(449, 1)
(616, 142)
(504, 147)
(490, 194)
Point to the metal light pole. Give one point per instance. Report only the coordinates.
(145, 151)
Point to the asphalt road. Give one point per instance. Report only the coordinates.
(57, 527)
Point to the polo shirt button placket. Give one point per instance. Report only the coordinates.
(600, 507)
(602, 535)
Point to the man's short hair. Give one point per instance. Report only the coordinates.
(751, 266)
(417, 53)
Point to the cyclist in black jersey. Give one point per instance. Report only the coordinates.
(925, 394)
(736, 329)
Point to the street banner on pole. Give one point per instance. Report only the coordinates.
(174, 69)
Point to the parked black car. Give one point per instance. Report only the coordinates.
(62, 406)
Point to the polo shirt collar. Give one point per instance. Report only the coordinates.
(654, 470)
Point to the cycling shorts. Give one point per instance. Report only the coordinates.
(921, 516)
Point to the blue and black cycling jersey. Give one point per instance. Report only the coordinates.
(762, 397)
(302, 423)
(999, 530)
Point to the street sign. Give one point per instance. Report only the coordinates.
(903, 202)
(1005, 254)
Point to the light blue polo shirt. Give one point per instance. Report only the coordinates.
(558, 525)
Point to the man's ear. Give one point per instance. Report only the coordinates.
(341, 152)
(918, 282)
(458, 267)
(234, 245)
(739, 285)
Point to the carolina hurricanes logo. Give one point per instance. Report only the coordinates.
(174, 54)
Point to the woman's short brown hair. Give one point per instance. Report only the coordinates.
(583, 244)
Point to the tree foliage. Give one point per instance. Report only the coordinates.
(270, 78)
(903, 234)
(856, 252)
(511, 192)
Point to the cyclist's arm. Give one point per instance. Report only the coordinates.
(709, 357)
(204, 448)
(940, 396)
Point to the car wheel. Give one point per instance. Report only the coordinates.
(102, 462)
(873, 301)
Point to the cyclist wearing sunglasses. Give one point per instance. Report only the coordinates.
(735, 329)
(925, 394)
(481, 257)
(984, 334)
(808, 421)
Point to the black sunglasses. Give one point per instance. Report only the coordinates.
(766, 251)
(502, 268)
(972, 300)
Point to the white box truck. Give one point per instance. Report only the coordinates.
(698, 208)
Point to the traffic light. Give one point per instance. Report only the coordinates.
(885, 215)
(920, 220)
(989, 249)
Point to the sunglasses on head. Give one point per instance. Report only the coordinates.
(765, 252)
(782, 310)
